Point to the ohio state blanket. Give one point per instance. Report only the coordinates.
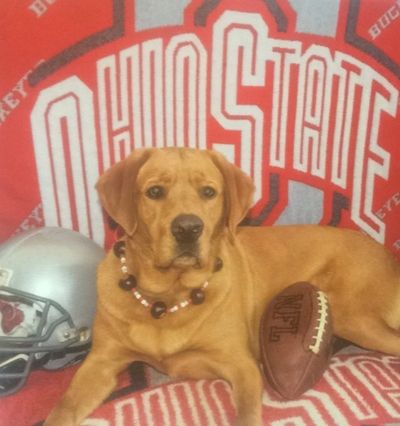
(303, 96)
(357, 389)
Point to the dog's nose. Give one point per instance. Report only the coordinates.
(187, 228)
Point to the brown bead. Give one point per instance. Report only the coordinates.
(218, 264)
(197, 296)
(158, 310)
(128, 283)
(119, 248)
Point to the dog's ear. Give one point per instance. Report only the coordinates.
(117, 189)
(239, 190)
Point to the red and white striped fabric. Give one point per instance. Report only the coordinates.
(357, 389)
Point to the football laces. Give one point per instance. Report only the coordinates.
(322, 322)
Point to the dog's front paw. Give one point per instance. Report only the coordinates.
(249, 421)
(60, 417)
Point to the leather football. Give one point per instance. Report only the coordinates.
(296, 339)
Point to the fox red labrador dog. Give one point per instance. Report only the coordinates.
(185, 287)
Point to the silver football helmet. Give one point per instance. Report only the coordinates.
(47, 302)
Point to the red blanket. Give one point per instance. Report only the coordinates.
(303, 97)
(357, 389)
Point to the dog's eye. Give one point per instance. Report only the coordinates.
(208, 192)
(155, 192)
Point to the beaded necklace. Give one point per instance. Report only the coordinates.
(158, 309)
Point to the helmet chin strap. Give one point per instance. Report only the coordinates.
(158, 309)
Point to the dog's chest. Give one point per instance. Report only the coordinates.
(157, 342)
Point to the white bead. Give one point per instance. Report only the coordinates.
(124, 269)
(123, 259)
(147, 304)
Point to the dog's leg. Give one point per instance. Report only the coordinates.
(371, 332)
(92, 383)
(245, 378)
(237, 368)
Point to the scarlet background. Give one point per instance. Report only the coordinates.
(62, 39)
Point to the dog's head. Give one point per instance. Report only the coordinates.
(177, 201)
